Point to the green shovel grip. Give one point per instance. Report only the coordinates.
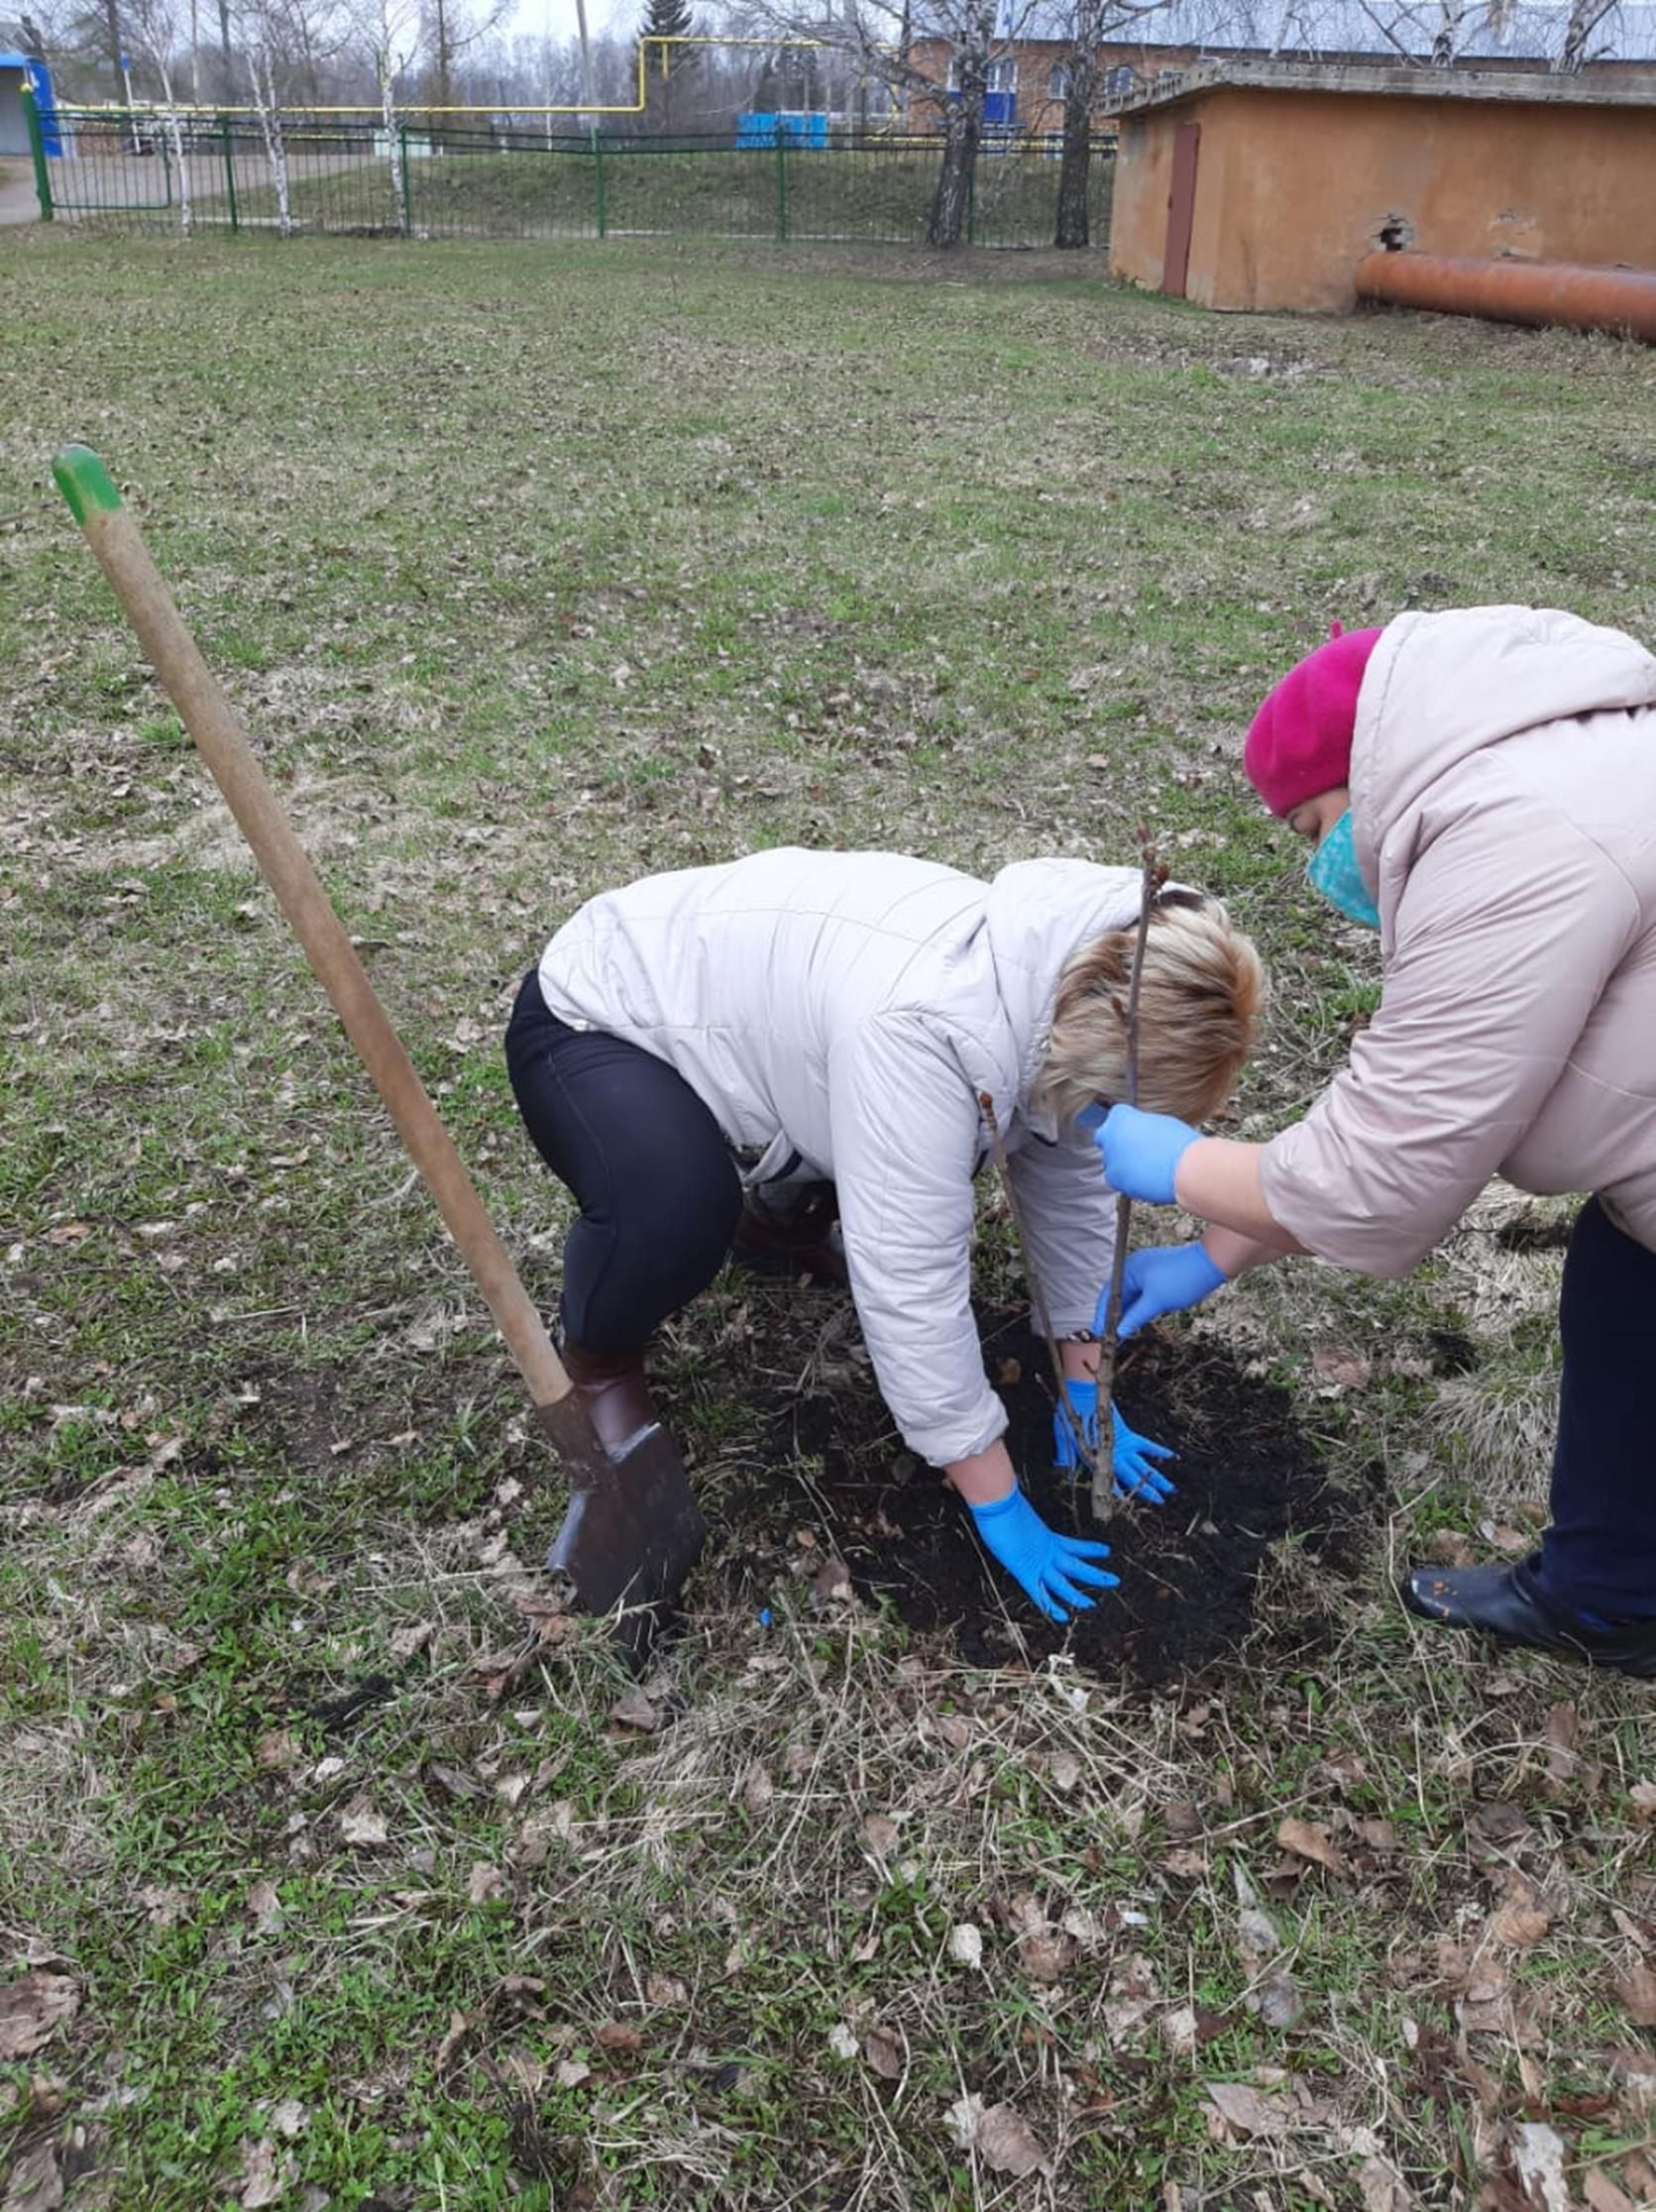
(84, 481)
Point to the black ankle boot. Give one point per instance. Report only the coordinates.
(612, 1389)
(804, 1241)
(1509, 1604)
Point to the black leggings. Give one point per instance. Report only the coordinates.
(1599, 1554)
(657, 1188)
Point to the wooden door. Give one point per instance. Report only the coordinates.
(1181, 208)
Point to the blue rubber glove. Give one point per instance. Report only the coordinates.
(1161, 1278)
(1133, 1463)
(1140, 1153)
(1052, 1570)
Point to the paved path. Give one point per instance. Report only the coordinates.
(18, 203)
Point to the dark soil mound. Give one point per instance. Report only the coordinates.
(1245, 1475)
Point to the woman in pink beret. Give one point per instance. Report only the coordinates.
(1480, 787)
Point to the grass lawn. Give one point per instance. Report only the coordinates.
(340, 1879)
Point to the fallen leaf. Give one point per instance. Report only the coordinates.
(1603, 2195)
(1519, 1927)
(290, 2117)
(1281, 2004)
(1006, 2144)
(1257, 1933)
(459, 2028)
(1178, 2031)
(963, 2117)
(1538, 2160)
(453, 1781)
(956, 1732)
(1342, 1369)
(1308, 1841)
(1064, 1770)
(883, 2049)
(1183, 1861)
(841, 2041)
(486, 1884)
(266, 2175)
(403, 1644)
(1638, 2173)
(1641, 1799)
(163, 1907)
(264, 1906)
(278, 1748)
(757, 1789)
(665, 1989)
(880, 1835)
(1635, 1992)
(635, 1711)
(570, 2073)
(360, 1825)
(32, 2007)
(831, 1580)
(1047, 1958)
(1563, 1729)
(35, 2184)
(965, 1944)
(1246, 2112)
(1381, 2188)
(619, 2035)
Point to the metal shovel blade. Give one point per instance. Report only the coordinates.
(633, 1530)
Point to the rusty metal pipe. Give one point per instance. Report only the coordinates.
(1569, 294)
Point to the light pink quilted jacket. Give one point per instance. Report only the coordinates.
(1503, 798)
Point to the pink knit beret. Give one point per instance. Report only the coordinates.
(1300, 743)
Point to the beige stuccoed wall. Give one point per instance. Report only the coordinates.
(1293, 187)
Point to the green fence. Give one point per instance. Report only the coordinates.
(342, 181)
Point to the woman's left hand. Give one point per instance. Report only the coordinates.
(1140, 1153)
(1133, 1463)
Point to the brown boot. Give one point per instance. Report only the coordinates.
(612, 1388)
(804, 1241)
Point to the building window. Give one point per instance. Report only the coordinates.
(1119, 83)
(1057, 84)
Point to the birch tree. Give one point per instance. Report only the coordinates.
(157, 29)
(1582, 19)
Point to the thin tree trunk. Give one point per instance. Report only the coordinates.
(394, 142)
(186, 213)
(1073, 231)
(113, 19)
(224, 47)
(262, 72)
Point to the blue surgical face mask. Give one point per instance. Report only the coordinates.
(1333, 869)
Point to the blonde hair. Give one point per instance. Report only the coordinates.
(1200, 998)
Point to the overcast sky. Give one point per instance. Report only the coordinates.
(534, 18)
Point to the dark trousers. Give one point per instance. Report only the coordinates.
(657, 1188)
(1599, 1556)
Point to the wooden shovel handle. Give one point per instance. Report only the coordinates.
(222, 742)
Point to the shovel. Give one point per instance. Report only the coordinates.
(632, 1531)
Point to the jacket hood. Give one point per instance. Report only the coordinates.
(1440, 688)
(1039, 913)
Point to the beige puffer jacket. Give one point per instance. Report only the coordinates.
(1504, 801)
(839, 1014)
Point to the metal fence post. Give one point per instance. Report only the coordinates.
(229, 172)
(36, 146)
(781, 183)
(597, 184)
(407, 183)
